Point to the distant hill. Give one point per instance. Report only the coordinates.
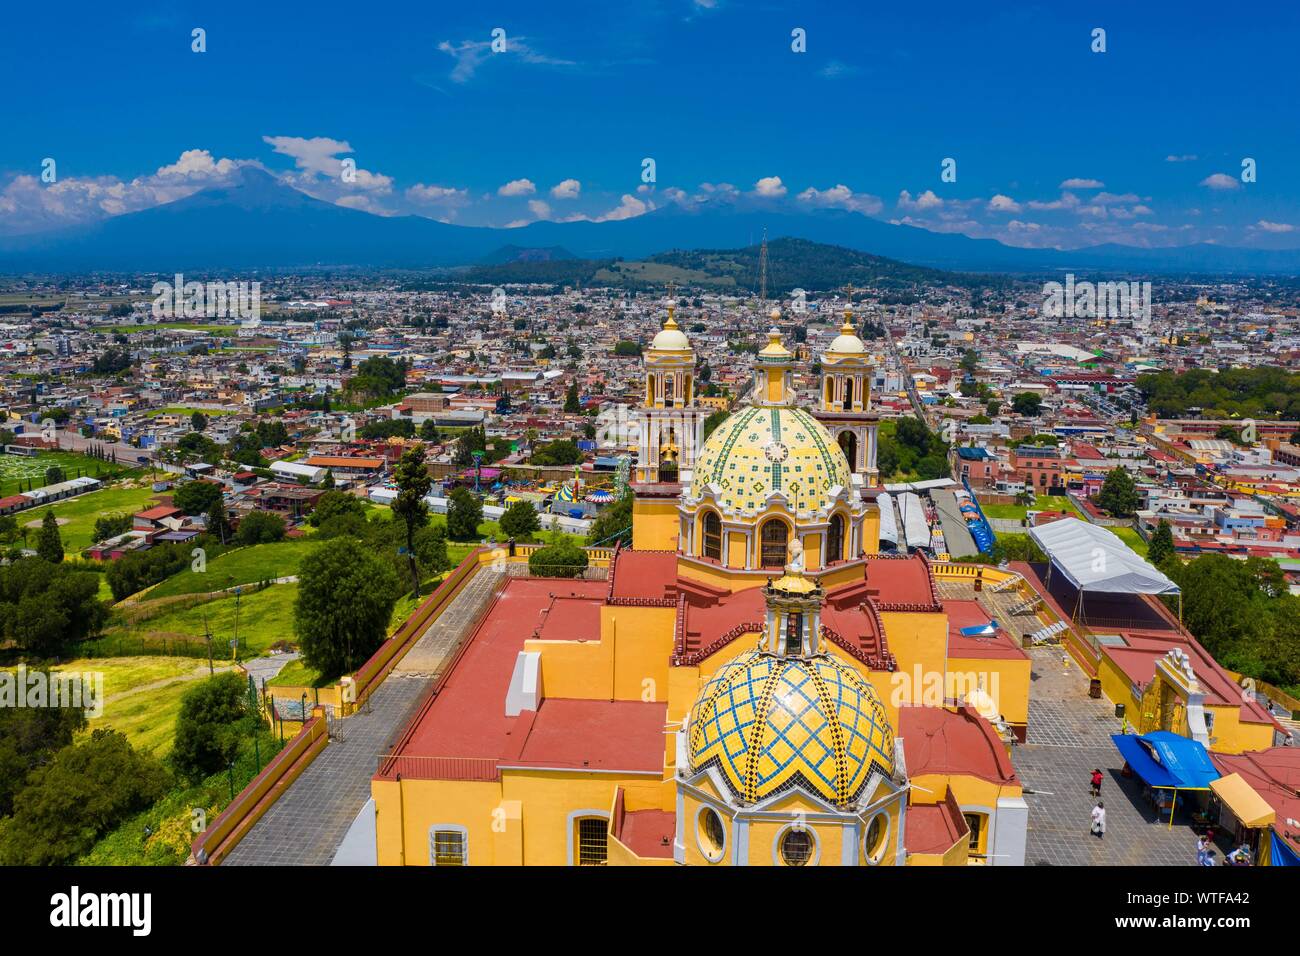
(254, 221)
(507, 254)
(791, 264)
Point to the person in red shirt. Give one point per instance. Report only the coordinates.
(1096, 783)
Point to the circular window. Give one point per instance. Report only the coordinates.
(873, 842)
(710, 834)
(796, 847)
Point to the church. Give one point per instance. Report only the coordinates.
(751, 683)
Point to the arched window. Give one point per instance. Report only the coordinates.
(830, 390)
(848, 393)
(712, 536)
(848, 442)
(669, 383)
(650, 389)
(774, 540)
(835, 539)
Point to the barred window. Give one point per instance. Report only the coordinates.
(712, 536)
(835, 539)
(796, 847)
(775, 544)
(593, 841)
(447, 848)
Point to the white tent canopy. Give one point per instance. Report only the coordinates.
(1094, 559)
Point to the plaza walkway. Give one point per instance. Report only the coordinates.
(1069, 735)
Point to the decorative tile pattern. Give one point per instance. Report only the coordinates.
(773, 723)
(771, 447)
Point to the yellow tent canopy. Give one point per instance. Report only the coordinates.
(1246, 805)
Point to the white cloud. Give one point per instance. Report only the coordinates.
(471, 54)
(567, 189)
(517, 187)
(840, 197)
(927, 200)
(628, 208)
(1267, 226)
(1220, 181)
(835, 69)
(770, 187)
(539, 208)
(1001, 203)
(1067, 201)
(1186, 158)
(319, 157)
(1082, 184)
(437, 195)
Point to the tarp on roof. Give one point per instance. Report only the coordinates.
(1167, 760)
(1094, 559)
(888, 524)
(1246, 805)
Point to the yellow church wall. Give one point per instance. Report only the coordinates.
(1228, 733)
(871, 531)
(917, 641)
(406, 810)
(639, 639)
(1005, 679)
(736, 543)
(551, 799)
(654, 524)
(812, 551)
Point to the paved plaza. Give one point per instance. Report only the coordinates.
(1069, 735)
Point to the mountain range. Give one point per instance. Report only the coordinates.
(254, 221)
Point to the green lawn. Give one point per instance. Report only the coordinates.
(16, 470)
(1041, 503)
(80, 514)
(265, 617)
(160, 328)
(147, 717)
(260, 562)
(1131, 538)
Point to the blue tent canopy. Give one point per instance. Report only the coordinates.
(1282, 854)
(1167, 760)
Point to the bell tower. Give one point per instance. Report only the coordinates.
(844, 398)
(670, 423)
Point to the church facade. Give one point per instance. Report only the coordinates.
(750, 683)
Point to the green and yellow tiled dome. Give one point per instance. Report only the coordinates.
(759, 450)
(772, 723)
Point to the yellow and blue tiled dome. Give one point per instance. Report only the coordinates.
(771, 723)
(759, 450)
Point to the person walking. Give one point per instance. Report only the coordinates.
(1096, 783)
(1098, 828)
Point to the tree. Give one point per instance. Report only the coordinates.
(571, 403)
(218, 523)
(563, 451)
(413, 482)
(197, 497)
(1161, 547)
(429, 430)
(328, 481)
(110, 526)
(993, 407)
(260, 527)
(464, 513)
(1028, 404)
(198, 447)
(338, 513)
(87, 790)
(969, 361)
(54, 474)
(613, 524)
(714, 420)
(29, 738)
(214, 715)
(562, 558)
(1118, 494)
(198, 422)
(520, 521)
(345, 600)
(50, 544)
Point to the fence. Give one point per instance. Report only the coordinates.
(439, 768)
(126, 645)
(212, 845)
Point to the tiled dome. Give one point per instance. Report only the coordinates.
(759, 450)
(771, 723)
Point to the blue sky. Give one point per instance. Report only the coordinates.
(1054, 144)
